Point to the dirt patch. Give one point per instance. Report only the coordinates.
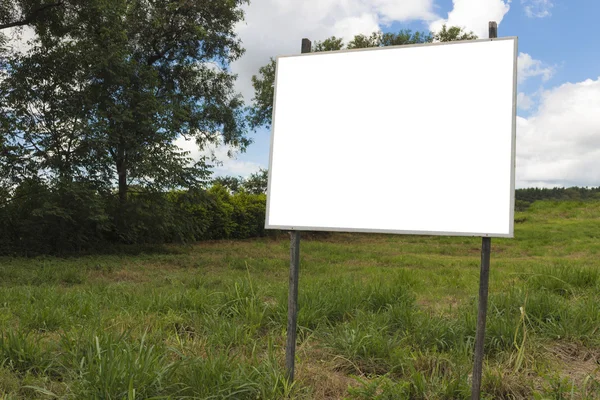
(575, 361)
(325, 382)
(580, 255)
(121, 275)
(443, 305)
(320, 371)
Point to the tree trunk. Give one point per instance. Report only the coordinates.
(120, 217)
(122, 172)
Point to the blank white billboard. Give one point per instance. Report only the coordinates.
(407, 139)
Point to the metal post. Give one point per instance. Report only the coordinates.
(290, 346)
(484, 278)
(306, 46)
(493, 30)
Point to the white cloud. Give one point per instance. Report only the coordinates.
(474, 15)
(524, 102)
(394, 10)
(529, 67)
(276, 27)
(537, 8)
(227, 165)
(559, 145)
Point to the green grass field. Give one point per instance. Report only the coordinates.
(381, 316)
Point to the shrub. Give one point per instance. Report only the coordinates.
(68, 217)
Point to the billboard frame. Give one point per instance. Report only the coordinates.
(510, 233)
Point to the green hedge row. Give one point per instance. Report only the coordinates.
(66, 218)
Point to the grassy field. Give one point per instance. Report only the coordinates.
(381, 316)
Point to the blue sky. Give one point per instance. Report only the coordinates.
(558, 134)
(568, 37)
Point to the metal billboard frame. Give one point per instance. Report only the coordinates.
(394, 231)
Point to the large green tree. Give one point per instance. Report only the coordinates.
(110, 85)
(263, 83)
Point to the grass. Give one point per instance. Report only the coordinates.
(381, 317)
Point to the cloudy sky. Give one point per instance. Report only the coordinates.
(558, 125)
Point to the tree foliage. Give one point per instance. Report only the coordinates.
(256, 183)
(525, 197)
(264, 90)
(73, 217)
(17, 13)
(330, 44)
(452, 34)
(379, 39)
(103, 95)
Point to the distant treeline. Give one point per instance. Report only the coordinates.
(68, 218)
(524, 197)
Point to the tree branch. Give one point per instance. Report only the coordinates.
(31, 17)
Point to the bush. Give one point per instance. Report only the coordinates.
(41, 219)
(69, 217)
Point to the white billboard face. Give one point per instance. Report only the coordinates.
(408, 139)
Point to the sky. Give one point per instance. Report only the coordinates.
(558, 118)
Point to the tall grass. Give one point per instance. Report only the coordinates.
(381, 317)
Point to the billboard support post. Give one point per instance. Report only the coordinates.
(292, 319)
(290, 348)
(484, 277)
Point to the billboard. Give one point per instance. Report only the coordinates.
(413, 139)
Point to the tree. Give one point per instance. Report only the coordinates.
(453, 34)
(257, 182)
(232, 183)
(330, 44)
(263, 83)
(261, 112)
(139, 75)
(363, 41)
(379, 39)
